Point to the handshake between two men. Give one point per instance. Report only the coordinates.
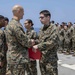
(34, 52)
(34, 47)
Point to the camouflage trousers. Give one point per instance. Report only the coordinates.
(8, 70)
(73, 45)
(20, 69)
(32, 67)
(67, 46)
(3, 69)
(48, 68)
(61, 45)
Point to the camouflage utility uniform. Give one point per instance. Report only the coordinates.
(61, 37)
(31, 34)
(66, 41)
(17, 54)
(73, 39)
(48, 45)
(2, 52)
(71, 29)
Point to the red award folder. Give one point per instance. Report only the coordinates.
(34, 55)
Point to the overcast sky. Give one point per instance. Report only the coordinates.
(61, 10)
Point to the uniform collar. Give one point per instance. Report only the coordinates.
(46, 26)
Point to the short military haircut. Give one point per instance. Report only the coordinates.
(70, 23)
(1, 17)
(63, 22)
(45, 13)
(17, 7)
(52, 21)
(6, 19)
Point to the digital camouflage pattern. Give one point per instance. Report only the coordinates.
(2, 52)
(48, 45)
(71, 29)
(61, 38)
(73, 39)
(31, 34)
(66, 41)
(18, 43)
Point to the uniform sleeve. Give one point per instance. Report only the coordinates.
(1, 46)
(21, 37)
(50, 42)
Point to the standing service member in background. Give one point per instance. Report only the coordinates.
(6, 21)
(2, 47)
(48, 45)
(17, 41)
(31, 34)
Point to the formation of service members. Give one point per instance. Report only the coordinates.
(66, 33)
(14, 43)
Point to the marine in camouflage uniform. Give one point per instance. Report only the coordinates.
(61, 38)
(73, 39)
(17, 54)
(31, 34)
(70, 29)
(66, 40)
(48, 45)
(2, 48)
(6, 23)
